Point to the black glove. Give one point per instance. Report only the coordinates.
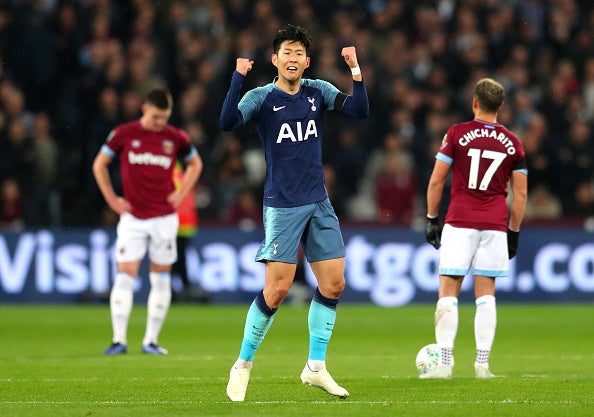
(512, 243)
(433, 232)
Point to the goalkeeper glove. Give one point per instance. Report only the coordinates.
(433, 232)
(512, 243)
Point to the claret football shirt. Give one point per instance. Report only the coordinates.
(147, 161)
(483, 156)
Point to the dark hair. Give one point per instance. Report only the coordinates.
(489, 94)
(294, 34)
(160, 98)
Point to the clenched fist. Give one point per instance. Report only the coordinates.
(244, 65)
(350, 56)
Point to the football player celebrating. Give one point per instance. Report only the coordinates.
(288, 114)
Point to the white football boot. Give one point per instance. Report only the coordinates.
(238, 382)
(323, 380)
(481, 371)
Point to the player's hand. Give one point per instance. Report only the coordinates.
(175, 199)
(512, 243)
(433, 232)
(120, 205)
(350, 56)
(244, 65)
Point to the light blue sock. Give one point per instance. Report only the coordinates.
(322, 314)
(257, 322)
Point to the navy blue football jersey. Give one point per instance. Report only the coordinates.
(290, 129)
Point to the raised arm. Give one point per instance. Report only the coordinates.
(349, 53)
(356, 105)
(231, 118)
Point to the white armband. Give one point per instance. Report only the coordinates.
(356, 70)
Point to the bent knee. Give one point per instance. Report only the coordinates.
(275, 296)
(332, 289)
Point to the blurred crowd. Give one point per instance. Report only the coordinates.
(71, 70)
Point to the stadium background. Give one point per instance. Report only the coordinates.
(70, 71)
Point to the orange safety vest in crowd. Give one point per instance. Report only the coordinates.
(187, 213)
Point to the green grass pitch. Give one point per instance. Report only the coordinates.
(51, 364)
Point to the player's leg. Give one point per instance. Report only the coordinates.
(260, 316)
(321, 319)
(121, 300)
(324, 248)
(491, 261)
(130, 249)
(158, 303)
(279, 276)
(485, 323)
(162, 253)
(446, 325)
(283, 228)
(456, 253)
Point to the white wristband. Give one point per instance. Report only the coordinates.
(356, 70)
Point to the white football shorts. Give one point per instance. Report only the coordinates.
(157, 234)
(485, 251)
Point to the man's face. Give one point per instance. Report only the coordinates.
(154, 118)
(291, 60)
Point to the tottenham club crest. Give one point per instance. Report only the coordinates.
(312, 100)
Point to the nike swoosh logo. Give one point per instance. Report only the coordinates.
(274, 108)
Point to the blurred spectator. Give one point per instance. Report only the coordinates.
(582, 203)
(554, 105)
(130, 105)
(18, 154)
(230, 174)
(335, 194)
(44, 205)
(576, 158)
(539, 152)
(588, 87)
(396, 190)
(101, 121)
(364, 206)
(246, 212)
(348, 158)
(393, 142)
(11, 207)
(14, 104)
(68, 39)
(523, 110)
(542, 204)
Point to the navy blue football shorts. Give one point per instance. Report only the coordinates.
(315, 226)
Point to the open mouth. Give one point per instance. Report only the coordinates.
(292, 69)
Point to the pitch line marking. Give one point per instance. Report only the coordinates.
(335, 402)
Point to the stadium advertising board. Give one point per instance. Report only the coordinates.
(388, 267)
